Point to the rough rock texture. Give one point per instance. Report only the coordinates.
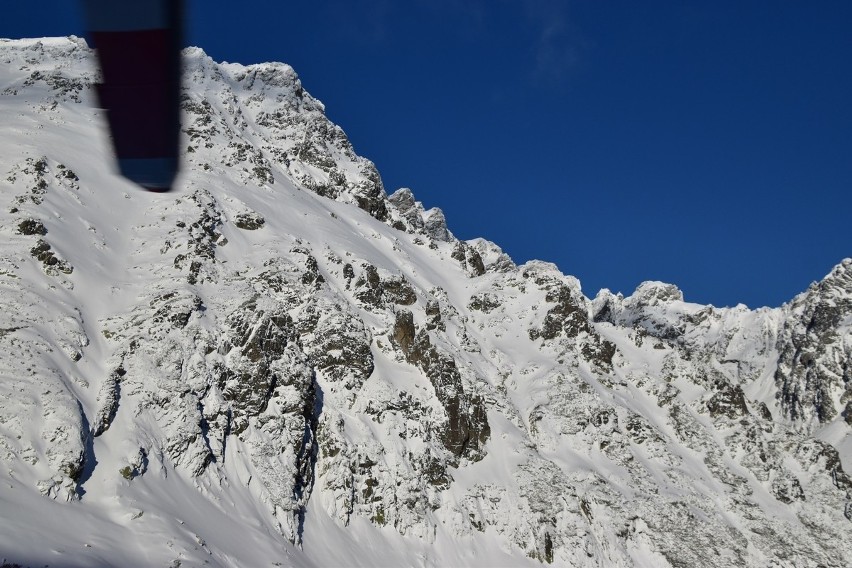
(280, 353)
(814, 373)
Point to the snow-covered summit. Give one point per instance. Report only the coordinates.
(282, 354)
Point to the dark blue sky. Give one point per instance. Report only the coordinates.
(706, 144)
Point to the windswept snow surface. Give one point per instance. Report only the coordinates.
(281, 365)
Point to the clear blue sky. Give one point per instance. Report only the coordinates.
(706, 144)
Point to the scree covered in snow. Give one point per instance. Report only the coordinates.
(282, 365)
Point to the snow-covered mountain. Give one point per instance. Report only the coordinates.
(281, 365)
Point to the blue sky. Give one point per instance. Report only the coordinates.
(706, 144)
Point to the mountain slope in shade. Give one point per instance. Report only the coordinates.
(283, 365)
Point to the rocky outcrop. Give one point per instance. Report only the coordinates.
(568, 320)
(469, 258)
(408, 215)
(467, 427)
(377, 292)
(814, 372)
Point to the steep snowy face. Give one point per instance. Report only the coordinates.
(283, 354)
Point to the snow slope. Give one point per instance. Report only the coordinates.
(283, 365)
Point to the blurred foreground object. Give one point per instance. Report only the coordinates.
(138, 45)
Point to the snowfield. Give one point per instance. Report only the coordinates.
(282, 365)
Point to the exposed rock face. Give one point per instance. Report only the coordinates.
(814, 373)
(469, 258)
(284, 351)
(408, 215)
(466, 430)
(376, 291)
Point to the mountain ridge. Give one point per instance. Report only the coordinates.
(285, 353)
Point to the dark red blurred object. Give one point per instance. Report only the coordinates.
(138, 45)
